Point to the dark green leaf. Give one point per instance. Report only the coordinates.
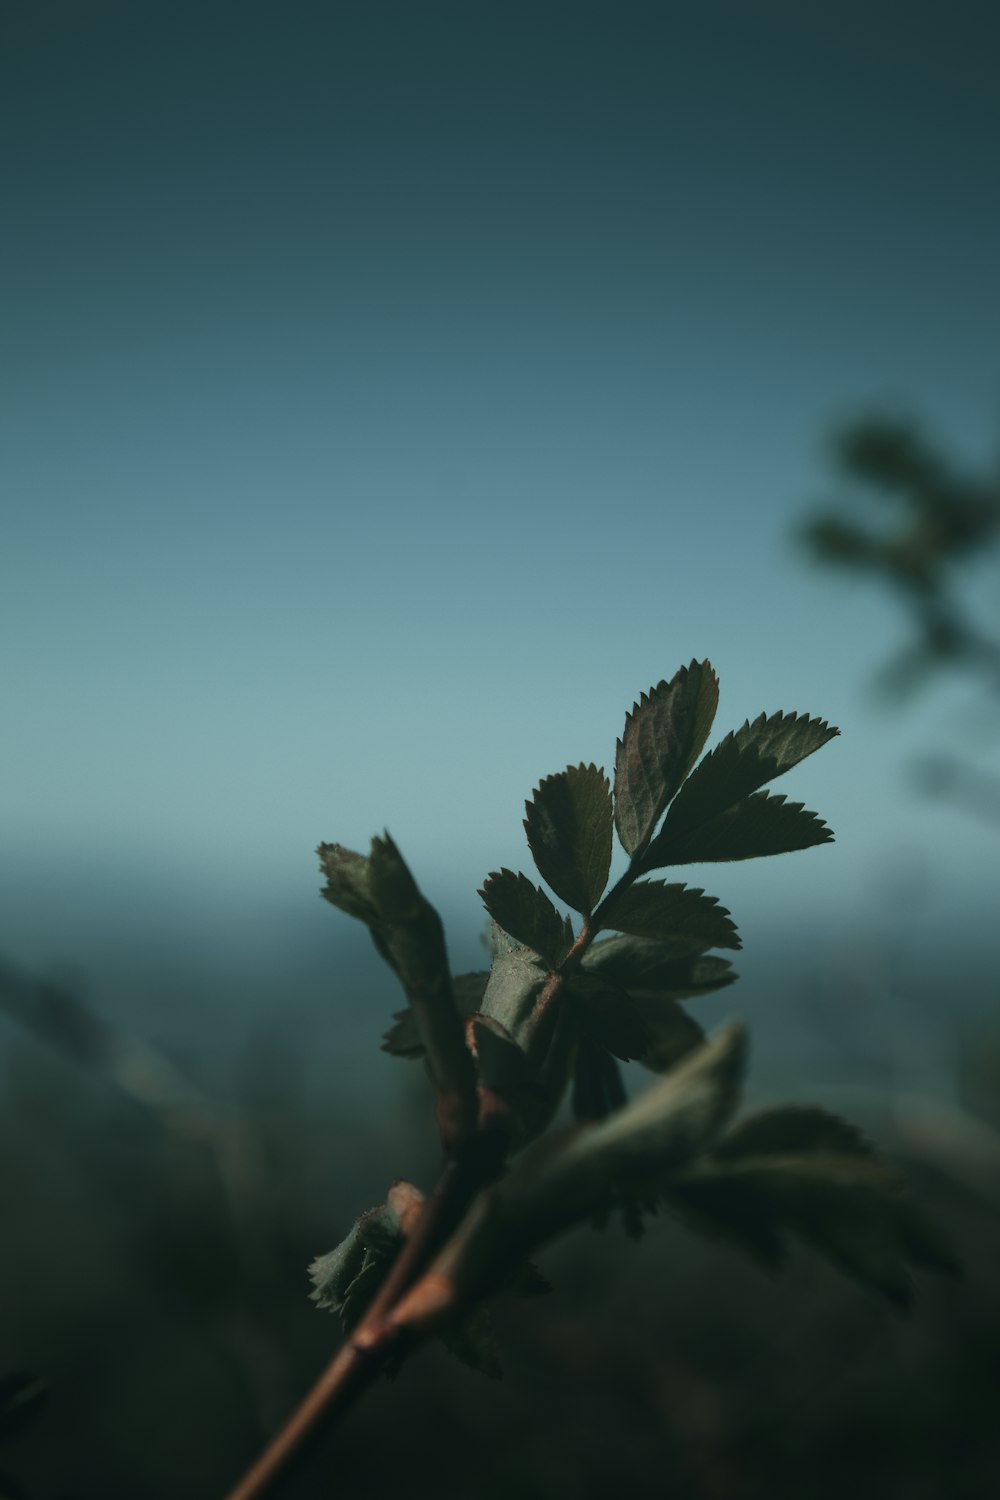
(682, 920)
(672, 1033)
(568, 823)
(361, 1292)
(347, 882)
(737, 766)
(345, 1280)
(648, 970)
(526, 913)
(597, 1082)
(608, 1016)
(403, 1038)
(473, 1341)
(760, 824)
(333, 1273)
(663, 737)
(528, 1281)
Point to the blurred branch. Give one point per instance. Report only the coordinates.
(945, 519)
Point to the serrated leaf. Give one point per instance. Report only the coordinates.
(568, 823)
(681, 919)
(403, 1037)
(348, 884)
(761, 824)
(608, 1016)
(649, 971)
(663, 737)
(737, 766)
(333, 1273)
(524, 911)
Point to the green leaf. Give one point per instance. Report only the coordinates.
(681, 919)
(648, 969)
(333, 1273)
(568, 823)
(348, 882)
(597, 1082)
(663, 737)
(558, 1183)
(608, 1016)
(671, 1031)
(737, 766)
(761, 824)
(474, 1342)
(525, 912)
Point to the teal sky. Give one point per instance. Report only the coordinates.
(390, 392)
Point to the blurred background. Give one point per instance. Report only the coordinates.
(390, 393)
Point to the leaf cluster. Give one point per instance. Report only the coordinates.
(586, 974)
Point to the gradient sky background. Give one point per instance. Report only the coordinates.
(391, 391)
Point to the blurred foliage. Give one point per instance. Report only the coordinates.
(935, 521)
(923, 528)
(692, 1364)
(156, 1227)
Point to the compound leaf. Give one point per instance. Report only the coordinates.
(649, 969)
(525, 912)
(743, 761)
(681, 919)
(663, 737)
(568, 823)
(761, 824)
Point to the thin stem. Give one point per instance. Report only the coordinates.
(376, 1336)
